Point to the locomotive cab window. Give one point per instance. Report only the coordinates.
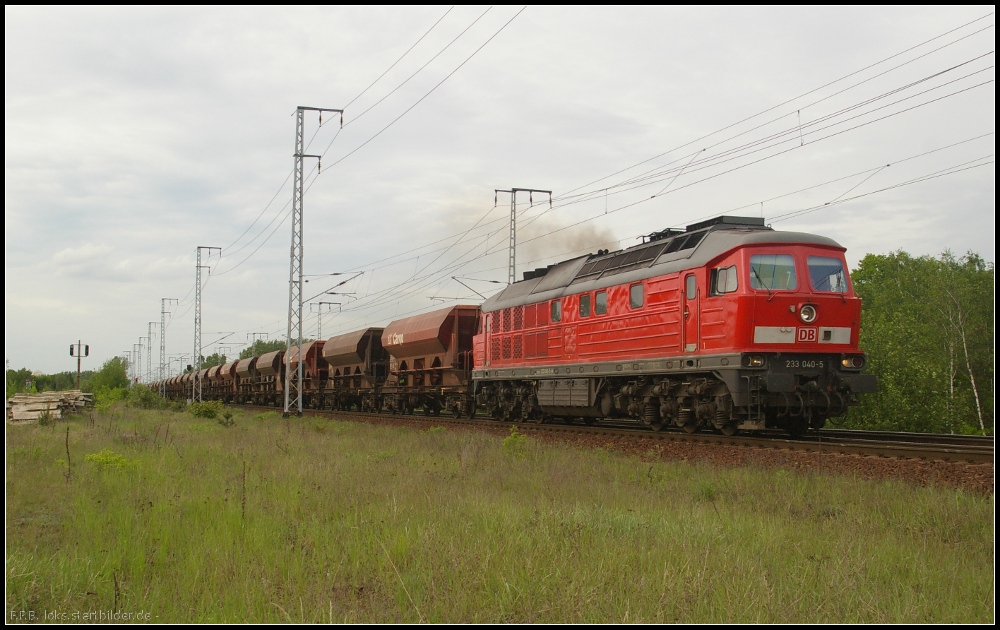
(724, 280)
(585, 305)
(635, 296)
(773, 272)
(827, 274)
(601, 303)
(556, 310)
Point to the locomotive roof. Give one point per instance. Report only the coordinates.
(667, 251)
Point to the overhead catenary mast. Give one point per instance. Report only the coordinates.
(512, 250)
(196, 360)
(163, 344)
(295, 270)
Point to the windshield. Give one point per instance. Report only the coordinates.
(827, 274)
(772, 272)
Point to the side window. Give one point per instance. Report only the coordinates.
(635, 296)
(585, 305)
(601, 302)
(690, 288)
(556, 310)
(724, 280)
(489, 321)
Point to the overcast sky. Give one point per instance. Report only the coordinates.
(132, 136)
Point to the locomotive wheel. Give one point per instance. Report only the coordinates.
(728, 429)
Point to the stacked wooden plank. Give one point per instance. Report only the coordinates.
(28, 408)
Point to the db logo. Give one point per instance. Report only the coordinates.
(807, 335)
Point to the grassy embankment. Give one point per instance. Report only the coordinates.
(351, 522)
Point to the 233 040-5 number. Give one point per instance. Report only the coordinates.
(797, 363)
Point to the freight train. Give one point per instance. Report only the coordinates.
(727, 325)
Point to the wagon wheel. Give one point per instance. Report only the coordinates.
(690, 428)
(728, 429)
(657, 425)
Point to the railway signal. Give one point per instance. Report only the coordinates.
(79, 350)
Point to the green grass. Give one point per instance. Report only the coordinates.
(359, 523)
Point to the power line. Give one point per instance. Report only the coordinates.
(421, 99)
(405, 81)
(400, 58)
(791, 100)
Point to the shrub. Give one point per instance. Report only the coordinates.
(227, 419)
(209, 409)
(144, 397)
(514, 444)
(110, 460)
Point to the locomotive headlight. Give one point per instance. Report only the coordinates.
(853, 363)
(808, 313)
(753, 360)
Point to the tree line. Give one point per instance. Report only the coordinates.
(927, 328)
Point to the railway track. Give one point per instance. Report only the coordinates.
(897, 445)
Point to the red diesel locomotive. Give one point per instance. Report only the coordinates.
(728, 324)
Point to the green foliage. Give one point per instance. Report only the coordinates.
(144, 397)
(208, 409)
(105, 398)
(16, 380)
(113, 374)
(227, 419)
(927, 327)
(213, 360)
(260, 347)
(514, 444)
(110, 460)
